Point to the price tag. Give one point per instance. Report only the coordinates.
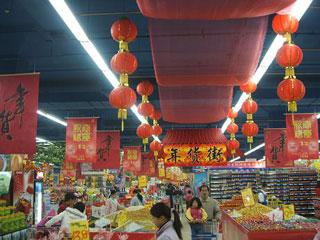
(288, 211)
(142, 181)
(79, 230)
(247, 197)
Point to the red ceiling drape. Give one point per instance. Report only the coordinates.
(194, 136)
(210, 9)
(206, 52)
(197, 45)
(198, 104)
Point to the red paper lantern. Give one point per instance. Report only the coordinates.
(289, 55)
(291, 90)
(233, 145)
(122, 97)
(145, 109)
(157, 130)
(250, 129)
(249, 107)
(144, 131)
(283, 24)
(145, 88)
(248, 87)
(232, 128)
(156, 115)
(155, 147)
(124, 63)
(124, 30)
(232, 113)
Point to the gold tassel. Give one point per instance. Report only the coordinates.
(122, 114)
(249, 117)
(233, 151)
(292, 106)
(145, 142)
(144, 98)
(123, 46)
(124, 79)
(155, 122)
(288, 37)
(250, 139)
(289, 73)
(232, 136)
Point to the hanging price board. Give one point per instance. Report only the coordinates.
(247, 197)
(288, 211)
(79, 230)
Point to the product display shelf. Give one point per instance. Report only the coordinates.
(293, 186)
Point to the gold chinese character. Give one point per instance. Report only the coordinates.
(307, 124)
(298, 125)
(307, 133)
(298, 133)
(132, 154)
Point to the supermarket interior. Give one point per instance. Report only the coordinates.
(159, 119)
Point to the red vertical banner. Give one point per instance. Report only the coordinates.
(18, 113)
(108, 150)
(302, 133)
(149, 166)
(132, 159)
(276, 148)
(81, 140)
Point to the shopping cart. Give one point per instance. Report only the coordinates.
(209, 231)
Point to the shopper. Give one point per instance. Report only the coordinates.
(112, 204)
(262, 194)
(69, 200)
(67, 216)
(211, 206)
(161, 217)
(196, 216)
(137, 200)
(188, 195)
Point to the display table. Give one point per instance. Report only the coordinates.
(234, 231)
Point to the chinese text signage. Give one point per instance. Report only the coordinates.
(18, 113)
(81, 140)
(79, 230)
(195, 155)
(108, 150)
(276, 148)
(302, 134)
(132, 159)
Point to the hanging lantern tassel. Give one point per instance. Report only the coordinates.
(122, 114)
(123, 46)
(155, 153)
(145, 142)
(289, 72)
(292, 106)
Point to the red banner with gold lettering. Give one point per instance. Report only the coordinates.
(132, 159)
(108, 150)
(81, 140)
(149, 166)
(188, 155)
(302, 134)
(18, 113)
(276, 148)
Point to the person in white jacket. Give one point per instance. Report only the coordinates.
(167, 229)
(67, 216)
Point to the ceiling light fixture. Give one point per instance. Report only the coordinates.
(298, 10)
(74, 26)
(51, 117)
(42, 140)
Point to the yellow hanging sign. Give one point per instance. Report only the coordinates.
(142, 181)
(247, 197)
(288, 211)
(79, 230)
